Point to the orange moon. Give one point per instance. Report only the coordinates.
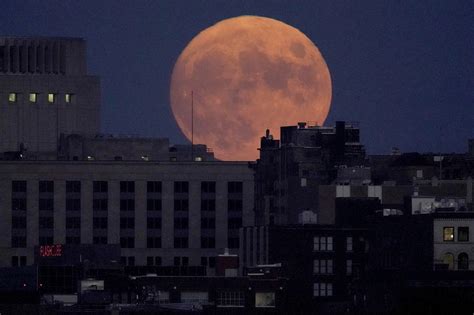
(248, 74)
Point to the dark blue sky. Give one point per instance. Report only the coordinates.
(403, 69)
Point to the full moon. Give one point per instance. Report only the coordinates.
(247, 74)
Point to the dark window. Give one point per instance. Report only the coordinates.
(208, 205)
(208, 242)
(75, 240)
(19, 222)
(181, 223)
(46, 222)
(153, 242)
(233, 242)
(177, 261)
(73, 186)
(150, 261)
(234, 205)
(212, 262)
(18, 242)
(100, 186)
(234, 187)
(127, 242)
(235, 223)
(19, 186)
(208, 223)
(127, 223)
(208, 187)
(15, 261)
(463, 234)
(181, 187)
(99, 240)
(127, 204)
(153, 204)
(45, 240)
(100, 204)
(153, 223)
(131, 261)
(22, 260)
(158, 261)
(463, 261)
(153, 187)
(73, 223)
(46, 186)
(181, 205)
(19, 204)
(100, 223)
(203, 261)
(73, 204)
(127, 187)
(184, 261)
(180, 242)
(46, 204)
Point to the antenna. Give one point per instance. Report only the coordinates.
(192, 125)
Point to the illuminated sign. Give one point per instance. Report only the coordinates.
(51, 250)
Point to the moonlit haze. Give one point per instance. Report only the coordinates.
(248, 74)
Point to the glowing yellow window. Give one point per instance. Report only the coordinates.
(33, 97)
(68, 98)
(448, 234)
(51, 97)
(12, 97)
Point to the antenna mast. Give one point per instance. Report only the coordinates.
(192, 125)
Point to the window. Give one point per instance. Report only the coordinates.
(73, 186)
(100, 223)
(463, 261)
(322, 289)
(157, 261)
(99, 204)
(180, 242)
(349, 267)
(18, 242)
(153, 223)
(127, 187)
(265, 299)
(46, 186)
(76, 240)
(127, 223)
(19, 204)
(231, 298)
(46, 204)
(46, 222)
(154, 187)
(127, 205)
(18, 222)
(181, 261)
(204, 261)
(233, 242)
(208, 242)
(177, 261)
(181, 223)
(463, 234)
(149, 261)
(323, 243)
(448, 259)
(51, 97)
(234, 223)
(208, 223)
(73, 204)
(18, 261)
(234, 187)
(68, 97)
(12, 97)
(212, 262)
(33, 97)
(19, 186)
(234, 205)
(448, 234)
(131, 261)
(208, 205)
(323, 266)
(181, 205)
(153, 242)
(99, 240)
(208, 187)
(349, 243)
(127, 242)
(73, 223)
(100, 186)
(181, 187)
(153, 204)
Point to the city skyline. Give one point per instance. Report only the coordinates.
(404, 72)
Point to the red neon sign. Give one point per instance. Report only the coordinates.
(51, 250)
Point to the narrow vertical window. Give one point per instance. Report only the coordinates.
(68, 98)
(12, 97)
(51, 97)
(33, 97)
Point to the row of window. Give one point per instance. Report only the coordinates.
(47, 186)
(325, 267)
(449, 234)
(462, 261)
(326, 243)
(52, 98)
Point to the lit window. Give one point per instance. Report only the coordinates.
(12, 97)
(51, 97)
(349, 243)
(448, 234)
(33, 97)
(349, 267)
(145, 158)
(323, 243)
(68, 98)
(323, 266)
(463, 234)
(198, 159)
(322, 289)
(265, 299)
(90, 158)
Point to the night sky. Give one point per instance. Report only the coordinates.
(403, 69)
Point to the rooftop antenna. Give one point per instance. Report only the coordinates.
(192, 125)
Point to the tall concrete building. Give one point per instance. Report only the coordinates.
(62, 182)
(45, 91)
